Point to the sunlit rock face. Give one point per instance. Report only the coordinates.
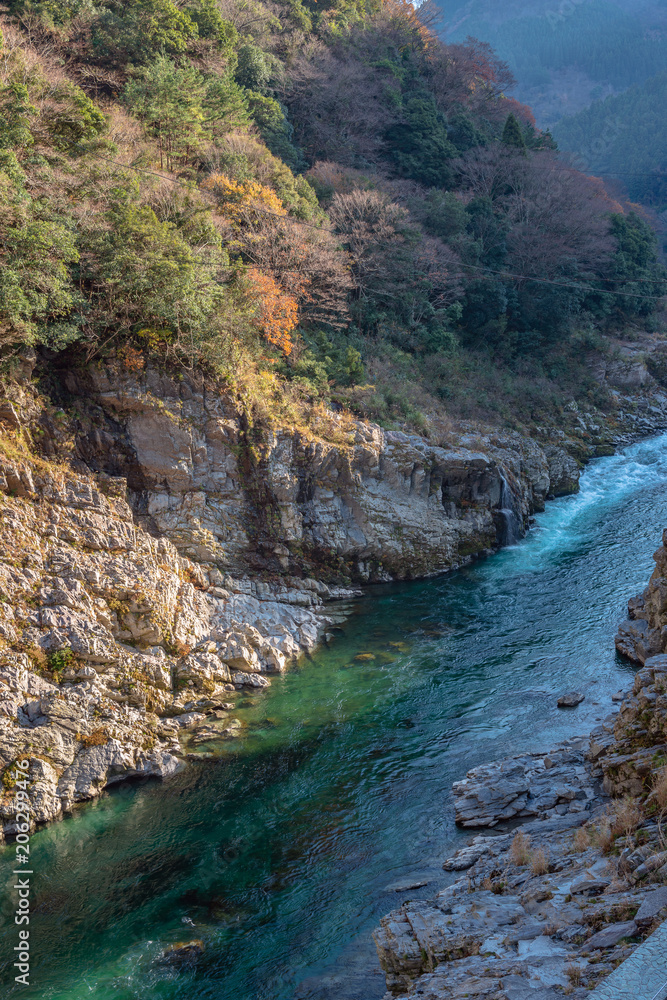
(357, 501)
(175, 558)
(112, 643)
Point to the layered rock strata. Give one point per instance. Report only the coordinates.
(536, 915)
(355, 501)
(644, 633)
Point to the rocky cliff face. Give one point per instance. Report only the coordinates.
(116, 651)
(644, 633)
(159, 554)
(354, 501)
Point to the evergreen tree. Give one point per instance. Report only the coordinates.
(137, 30)
(512, 134)
(16, 113)
(168, 100)
(419, 145)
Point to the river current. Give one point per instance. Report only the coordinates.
(279, 853)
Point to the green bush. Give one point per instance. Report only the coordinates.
(60, 660)
(142, 272)
(136, 31)
(212, 25)
(253, 68)
(74, 121)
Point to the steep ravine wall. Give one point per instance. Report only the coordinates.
(159, 555)
(368, 504)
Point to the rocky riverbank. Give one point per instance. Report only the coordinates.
(118, 653)
(155, 562)
(551, 906)
(159, 555)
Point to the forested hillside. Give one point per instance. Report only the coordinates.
(309, 202)
(566, 54)
(626, 137)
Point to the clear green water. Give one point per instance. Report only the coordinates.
(280, 849)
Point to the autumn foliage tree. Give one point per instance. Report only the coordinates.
(276, 313)
(206, 177)
(302, 258)
(402, 277)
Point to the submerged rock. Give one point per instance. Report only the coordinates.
(571, 699)
(182, 954)
(404, 885)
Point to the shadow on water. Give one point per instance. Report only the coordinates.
(278, 853)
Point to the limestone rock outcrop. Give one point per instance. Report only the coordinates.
(112, 643)
(166, 558)
(357, 501)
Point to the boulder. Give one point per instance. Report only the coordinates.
(571, 699)
(652, 906)
(589, 886)
(637, 640)
(610, 936)
(240, 680)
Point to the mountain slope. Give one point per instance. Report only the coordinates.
(307, 205)
(625, 137)
(566, 55)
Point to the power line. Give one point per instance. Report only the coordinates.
(506, 274)
(563, 284)
(177, 183)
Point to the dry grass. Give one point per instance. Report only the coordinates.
(539, 863)
(520, 849)
(621, 820)
(628, 815)
(582, 839)
(98, 738)
(573, 973)
(659, 792)
(602, 836)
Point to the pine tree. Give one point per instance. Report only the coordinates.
(512, 134)
(168, 100)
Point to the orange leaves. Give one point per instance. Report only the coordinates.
(245, 200)
(277, 312)
(132, 360)
(292, 264)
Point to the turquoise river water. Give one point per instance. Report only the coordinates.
(280, 849)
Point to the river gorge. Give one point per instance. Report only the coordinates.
(281, 851)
